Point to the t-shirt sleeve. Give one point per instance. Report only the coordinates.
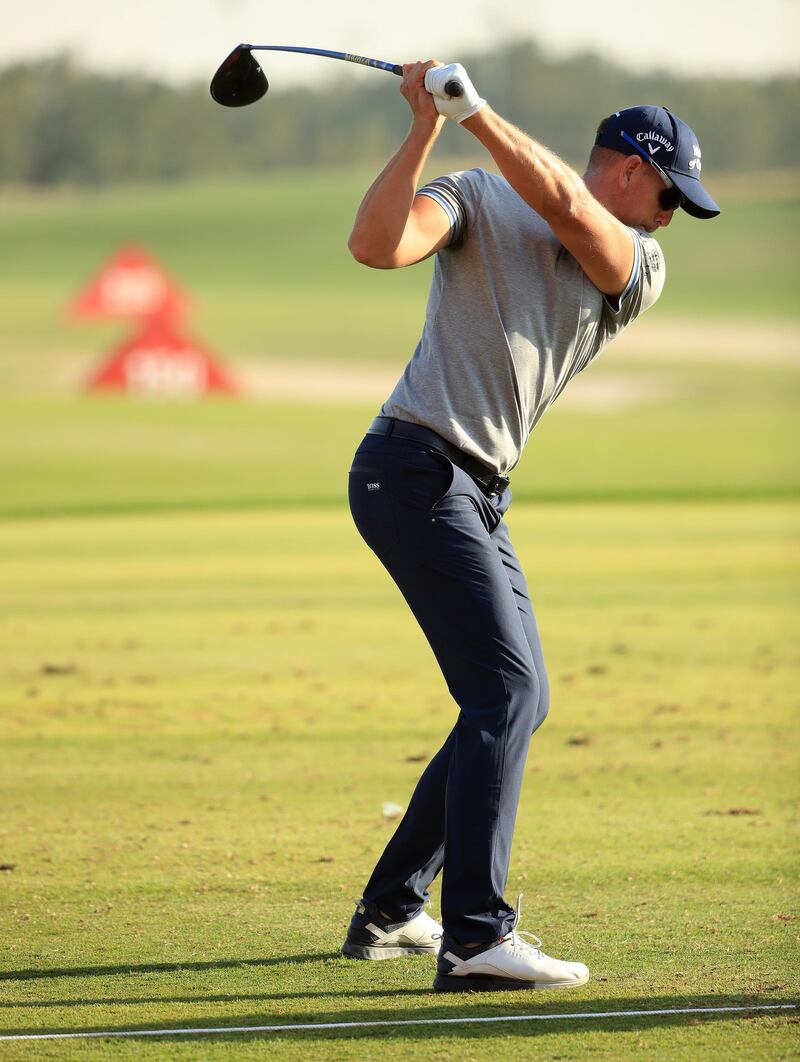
(644, 286)
(459, 196)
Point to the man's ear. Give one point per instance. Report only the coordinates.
(630, 166)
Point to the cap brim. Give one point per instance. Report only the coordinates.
(697, 201)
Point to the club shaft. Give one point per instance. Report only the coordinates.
(453, 88)
(362, 60)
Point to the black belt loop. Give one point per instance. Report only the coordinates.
(486, 477)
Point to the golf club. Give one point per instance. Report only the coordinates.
(241, 81)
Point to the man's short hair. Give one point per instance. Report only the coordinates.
(600, 156)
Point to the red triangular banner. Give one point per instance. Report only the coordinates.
(131, 284)
(161, 362)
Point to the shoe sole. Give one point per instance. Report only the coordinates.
(486, 983)
(363, 951)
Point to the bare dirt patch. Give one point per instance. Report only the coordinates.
(752, 343)
(654, 342)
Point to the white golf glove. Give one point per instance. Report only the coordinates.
(456, 107)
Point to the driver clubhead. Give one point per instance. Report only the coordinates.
(239, 80)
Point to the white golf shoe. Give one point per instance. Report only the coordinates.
(510, 963)
(371, 936)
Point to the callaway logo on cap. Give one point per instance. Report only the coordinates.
(665, 140)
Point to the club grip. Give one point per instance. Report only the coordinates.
(454, 88)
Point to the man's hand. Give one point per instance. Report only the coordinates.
(457, 108)
(419, 99)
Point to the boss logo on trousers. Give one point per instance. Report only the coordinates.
(373, 486)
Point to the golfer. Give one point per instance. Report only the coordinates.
(535, 272)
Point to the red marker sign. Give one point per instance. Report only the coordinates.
(132, 284)
(162, 363)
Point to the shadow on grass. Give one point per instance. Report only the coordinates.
(237, 997)
(160, 967)
(508, 1008)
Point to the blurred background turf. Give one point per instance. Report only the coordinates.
(198, 708)
(268, 264)
(699, 399)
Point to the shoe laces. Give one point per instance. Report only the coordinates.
(516, 935)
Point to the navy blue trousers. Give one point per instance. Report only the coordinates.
(446, 545)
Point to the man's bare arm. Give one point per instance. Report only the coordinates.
(392, 227)
(601, 244)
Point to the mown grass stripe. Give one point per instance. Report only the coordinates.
(333, 1025)
(578, 497)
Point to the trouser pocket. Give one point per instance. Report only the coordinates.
(371, 507)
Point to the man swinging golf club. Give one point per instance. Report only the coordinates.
(535, 272)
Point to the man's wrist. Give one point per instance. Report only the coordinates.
(426, 128)
(479, 120)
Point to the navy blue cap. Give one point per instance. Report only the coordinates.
(658, 135)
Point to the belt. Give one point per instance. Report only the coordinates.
(403, 429)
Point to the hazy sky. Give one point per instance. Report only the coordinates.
(190, 37)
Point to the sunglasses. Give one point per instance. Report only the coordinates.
(671, 197)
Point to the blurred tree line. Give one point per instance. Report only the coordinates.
(63, 124)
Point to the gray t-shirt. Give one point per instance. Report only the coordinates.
(511, 317)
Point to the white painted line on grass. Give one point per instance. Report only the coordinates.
(226, 1030)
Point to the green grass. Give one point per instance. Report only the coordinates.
(203, 714)
(740, 266)
(268, 264)
(210, 687)
(706, 431)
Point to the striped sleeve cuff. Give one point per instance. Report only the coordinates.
(447, 194)
(617, 302)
